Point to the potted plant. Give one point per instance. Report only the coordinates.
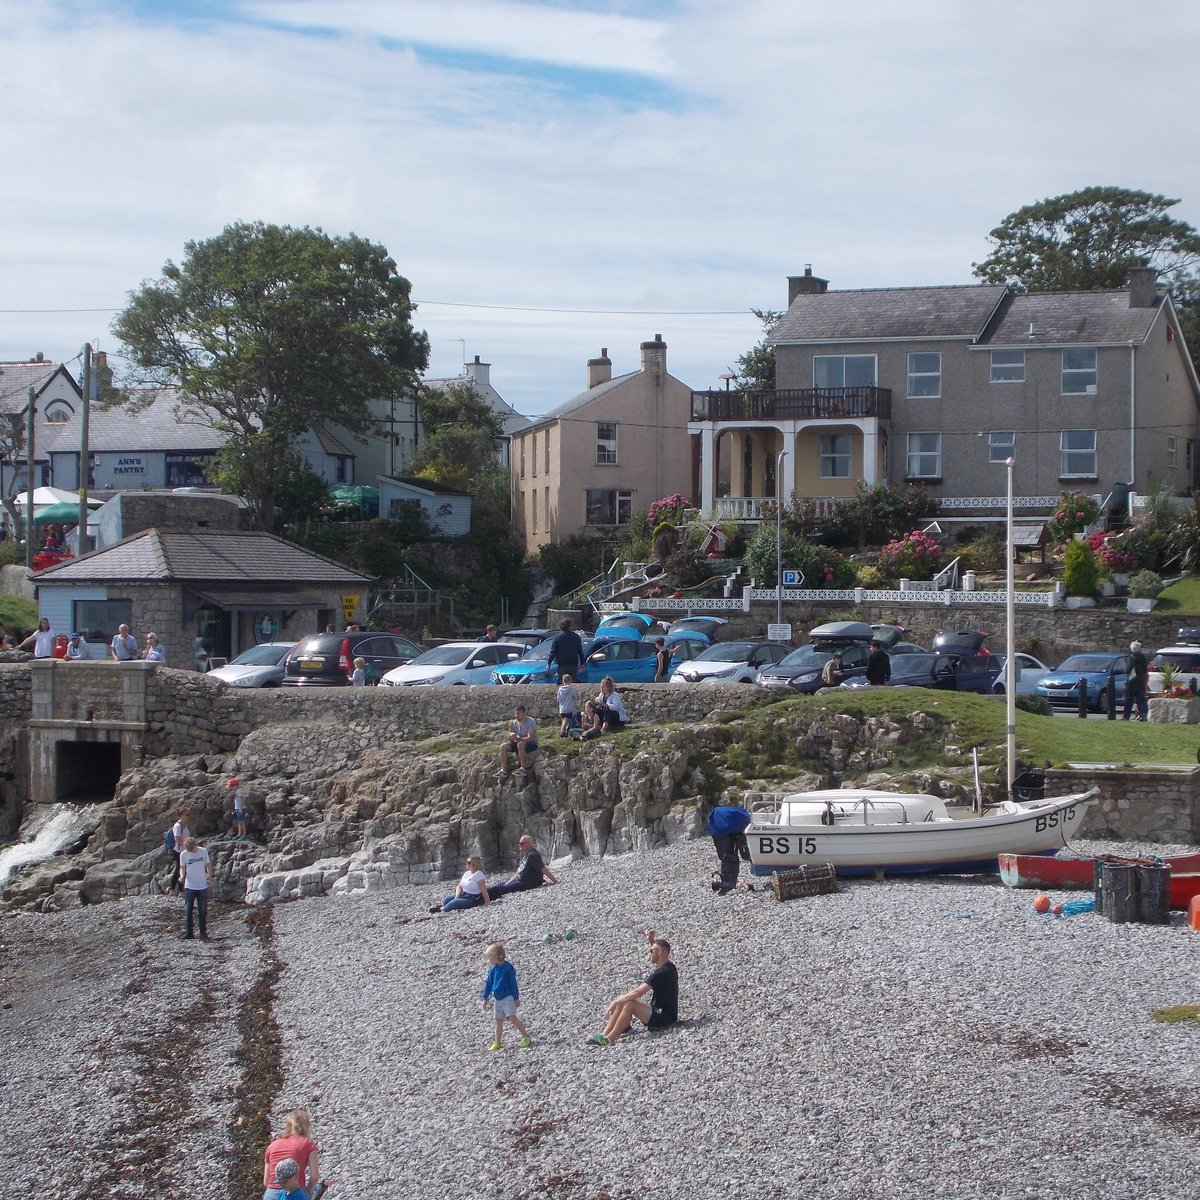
(1143, 591)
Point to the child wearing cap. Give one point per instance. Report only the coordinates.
(285, 1183)
(239, 808)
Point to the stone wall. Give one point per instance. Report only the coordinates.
(15, 703)
(1160, 805)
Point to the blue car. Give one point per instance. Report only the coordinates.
(533, 667)
(1101, 673)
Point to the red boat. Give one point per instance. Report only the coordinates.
(1046, 871)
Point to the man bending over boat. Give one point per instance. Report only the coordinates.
(661, 1010)
(727, 824)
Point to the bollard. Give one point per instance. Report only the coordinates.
(1083, 698)
(1111, 696)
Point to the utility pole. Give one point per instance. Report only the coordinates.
(29, 482)
(84, 457)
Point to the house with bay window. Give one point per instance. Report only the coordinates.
(616, 447)
(940, 386)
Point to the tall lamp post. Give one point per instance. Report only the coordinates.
(1010, 661)
(779, 536)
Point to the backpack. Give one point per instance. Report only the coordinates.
(169, 839)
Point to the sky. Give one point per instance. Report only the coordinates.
(557, 176)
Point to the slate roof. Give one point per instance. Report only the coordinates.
(16, 378)
(210, 558)
(1084, 318)
(425, 485)
(875, 314)
(330, 444)
(156, 427)
(584, 397)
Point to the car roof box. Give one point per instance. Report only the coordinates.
(842, 631)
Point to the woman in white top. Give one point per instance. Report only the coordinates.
(471, 889)
(153, 651)
(41, 639)
(610, 709)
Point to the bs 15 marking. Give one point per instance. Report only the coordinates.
(783, 845)
(1053, 820)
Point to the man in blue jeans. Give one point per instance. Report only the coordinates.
(195, 871)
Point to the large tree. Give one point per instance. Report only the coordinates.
(460, 432)
(756, 368)
(1088, 240)
(267, 330)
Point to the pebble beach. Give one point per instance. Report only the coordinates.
(930, 1037)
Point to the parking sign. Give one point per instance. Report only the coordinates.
(792, 577)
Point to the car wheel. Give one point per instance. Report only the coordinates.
(998, 689)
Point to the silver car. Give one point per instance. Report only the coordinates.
(259, 667)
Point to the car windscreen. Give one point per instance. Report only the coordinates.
(1183, 660)
(727, 652)
(1086, 663)
(443, 656)
(806, 656)
(260, 656)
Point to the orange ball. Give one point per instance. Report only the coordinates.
(1041, 903)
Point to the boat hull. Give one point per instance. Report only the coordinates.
(967, 845)
(1031, 870)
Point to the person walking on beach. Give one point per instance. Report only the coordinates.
(239, 808)
(195, 869)
(500, 987)
(662, 986)
(294, 1143)
(179, 836)
(1136, 682)
(530, 873)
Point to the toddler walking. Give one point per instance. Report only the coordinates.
(568, 706)
(358, 677)
(500, 987)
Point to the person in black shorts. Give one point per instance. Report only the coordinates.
(661, 1010)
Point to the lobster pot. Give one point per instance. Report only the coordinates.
(817, 880)
(1154, 894)
(1118, 892)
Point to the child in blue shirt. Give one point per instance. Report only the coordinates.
(568, 705)
(500, 987)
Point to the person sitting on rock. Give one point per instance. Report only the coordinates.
(522, 738)
(530, 873)
(610, 710)
(661, 1010)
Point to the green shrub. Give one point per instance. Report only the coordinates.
(869, 576)
(572, 561)
(1145, 585)
(10, 553)
(822, 566)
(1081, 572)
(18, 615)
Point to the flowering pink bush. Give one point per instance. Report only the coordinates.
(669, 508)
(914, 556)
(1119, 555)
(1074, 512)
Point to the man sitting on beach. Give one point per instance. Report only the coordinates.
(531, 871)
(661, 1010)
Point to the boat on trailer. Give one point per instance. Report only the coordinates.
(1042, 871)
(867, 831)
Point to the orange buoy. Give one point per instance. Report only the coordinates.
(1041, 903)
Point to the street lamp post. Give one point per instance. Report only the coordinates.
(1010, 661)
(779, 536)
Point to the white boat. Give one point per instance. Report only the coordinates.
(863, 830)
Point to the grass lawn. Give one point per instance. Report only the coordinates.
(1182, 598)
(1040, 740)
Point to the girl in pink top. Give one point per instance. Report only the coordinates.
(295, 1143)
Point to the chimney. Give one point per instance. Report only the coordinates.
(599, 369)
(807, 284)
(1143, 287)
(654, 356)
(479, 373)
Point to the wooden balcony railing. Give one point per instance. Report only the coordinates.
(802, 404)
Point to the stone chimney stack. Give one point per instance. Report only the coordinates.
(654, 356)
(1143, 287)
(479, 373)
(599, 369)
(807, 284)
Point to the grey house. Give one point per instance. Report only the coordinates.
(941, 385)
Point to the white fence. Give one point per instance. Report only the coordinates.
(947, 598)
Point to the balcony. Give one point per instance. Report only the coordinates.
(793, 404)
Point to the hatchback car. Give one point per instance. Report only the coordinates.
(259, 667)
(944, 672)
(711, 627)
(1030, 672)
(326, 659)
(454, 664)
(626, 660)
(1184, 658)
(527, 637)
(1061, 686)
(730, 662)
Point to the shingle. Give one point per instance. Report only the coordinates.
(1082, 318)
(16, 378)
(883, 313)
(211, 558)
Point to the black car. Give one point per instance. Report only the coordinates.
(801, 670)
(326, 659)
(949, 672)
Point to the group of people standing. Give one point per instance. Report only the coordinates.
(123, 647)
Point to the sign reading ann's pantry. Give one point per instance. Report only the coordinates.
(129, 465)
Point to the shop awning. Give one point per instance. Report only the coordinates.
(242, 601)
